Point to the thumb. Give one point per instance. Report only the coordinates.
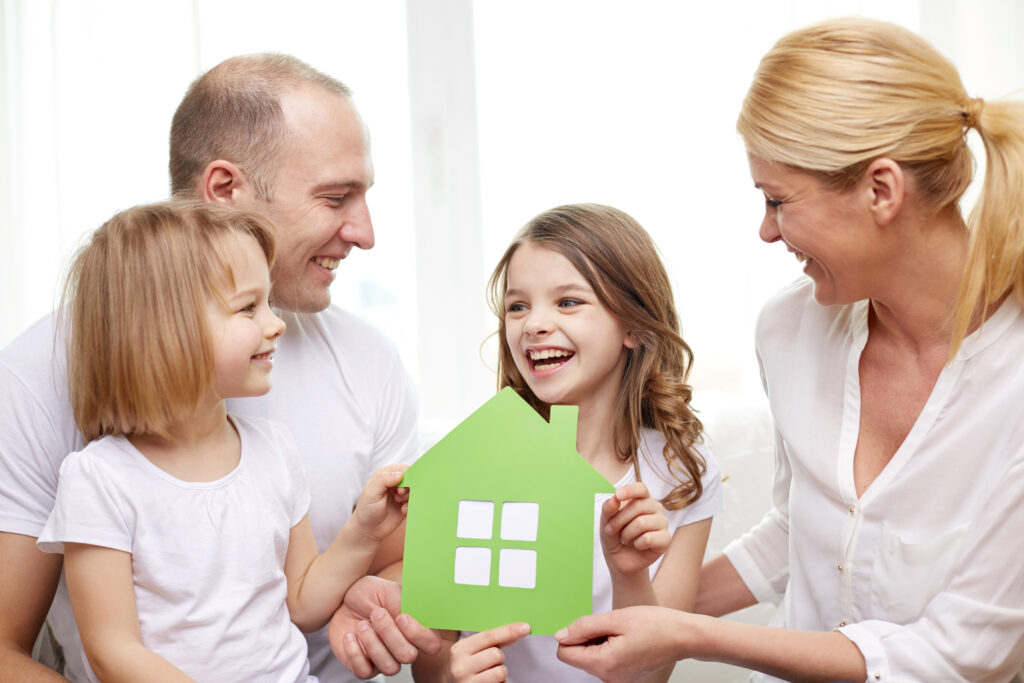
(585, 629)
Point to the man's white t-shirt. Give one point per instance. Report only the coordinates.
(207, 557)
(339, 386)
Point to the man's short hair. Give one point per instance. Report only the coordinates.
(233, 112)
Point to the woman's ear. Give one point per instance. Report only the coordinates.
(222, 181)
(630, 341)
(887, 185)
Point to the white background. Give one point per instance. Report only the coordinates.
(482, 114)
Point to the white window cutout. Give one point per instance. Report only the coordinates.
(476, 519)
(519, 521)
(473, 566)
(517, 568)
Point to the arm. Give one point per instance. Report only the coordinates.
(317, 583)
(642, 639)
(721, 590)
(103, 599)
(634, 534)
(28, 580)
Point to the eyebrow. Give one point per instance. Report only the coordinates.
(350, 185)
(560, 289)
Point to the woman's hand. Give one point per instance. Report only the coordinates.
(625, 644)
(479, 659)
(634, 529)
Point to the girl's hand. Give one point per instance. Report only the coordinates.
(381, 507)
(634, 529)
(479, 658)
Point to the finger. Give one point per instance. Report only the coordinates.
(635, 491)
(496, 637)
(466, 662)
(586, 628)
(392, 638)
(609, 509)
(642, 525)
(354, 658)
(422, 638)
(631, 511)
(375, 650)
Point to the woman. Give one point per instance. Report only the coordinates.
(894, 375)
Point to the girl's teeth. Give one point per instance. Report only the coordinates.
(548, 353)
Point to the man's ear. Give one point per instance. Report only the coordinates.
(887, 185)
(224, 182)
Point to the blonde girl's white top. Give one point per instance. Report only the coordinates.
(925, 571)
(207, 557)
(534, 658)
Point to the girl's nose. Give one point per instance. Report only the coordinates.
(274, 327)
(537, 324)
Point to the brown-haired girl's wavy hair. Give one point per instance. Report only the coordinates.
(833, 97)
(139, 353)
(617, 258)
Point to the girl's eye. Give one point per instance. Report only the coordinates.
(251, 308)
(516, 307)
(569, 303)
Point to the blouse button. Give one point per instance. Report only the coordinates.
(843, 622)
(877, 675)
(853, 510)
(840, 567)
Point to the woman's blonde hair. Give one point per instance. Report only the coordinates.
(139, 353)
(833, 97)
(617, 258)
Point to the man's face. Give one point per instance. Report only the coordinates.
(318, 197)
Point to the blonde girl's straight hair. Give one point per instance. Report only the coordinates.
(617, 258)
(833, 97)
(139, 352)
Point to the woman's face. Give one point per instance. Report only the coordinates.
(828, 231)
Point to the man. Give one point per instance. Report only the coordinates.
(271, 134)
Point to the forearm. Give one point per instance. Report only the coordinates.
(632, 589)
(322, 587)
(131, 662)
(784, 653)
(721, 589)
(18, 665)
(387, 562)
(28, 580)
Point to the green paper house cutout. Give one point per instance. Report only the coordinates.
(503, 501)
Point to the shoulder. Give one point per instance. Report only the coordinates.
(793, 323)
(336, 328)
(655, 474)
(35, 364)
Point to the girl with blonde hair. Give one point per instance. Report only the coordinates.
(586, 317)
(893, 374)
(187, 545)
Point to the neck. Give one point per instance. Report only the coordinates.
(202, 447)
(914, 302)
(595, 437)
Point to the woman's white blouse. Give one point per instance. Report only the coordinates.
(925, 571)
